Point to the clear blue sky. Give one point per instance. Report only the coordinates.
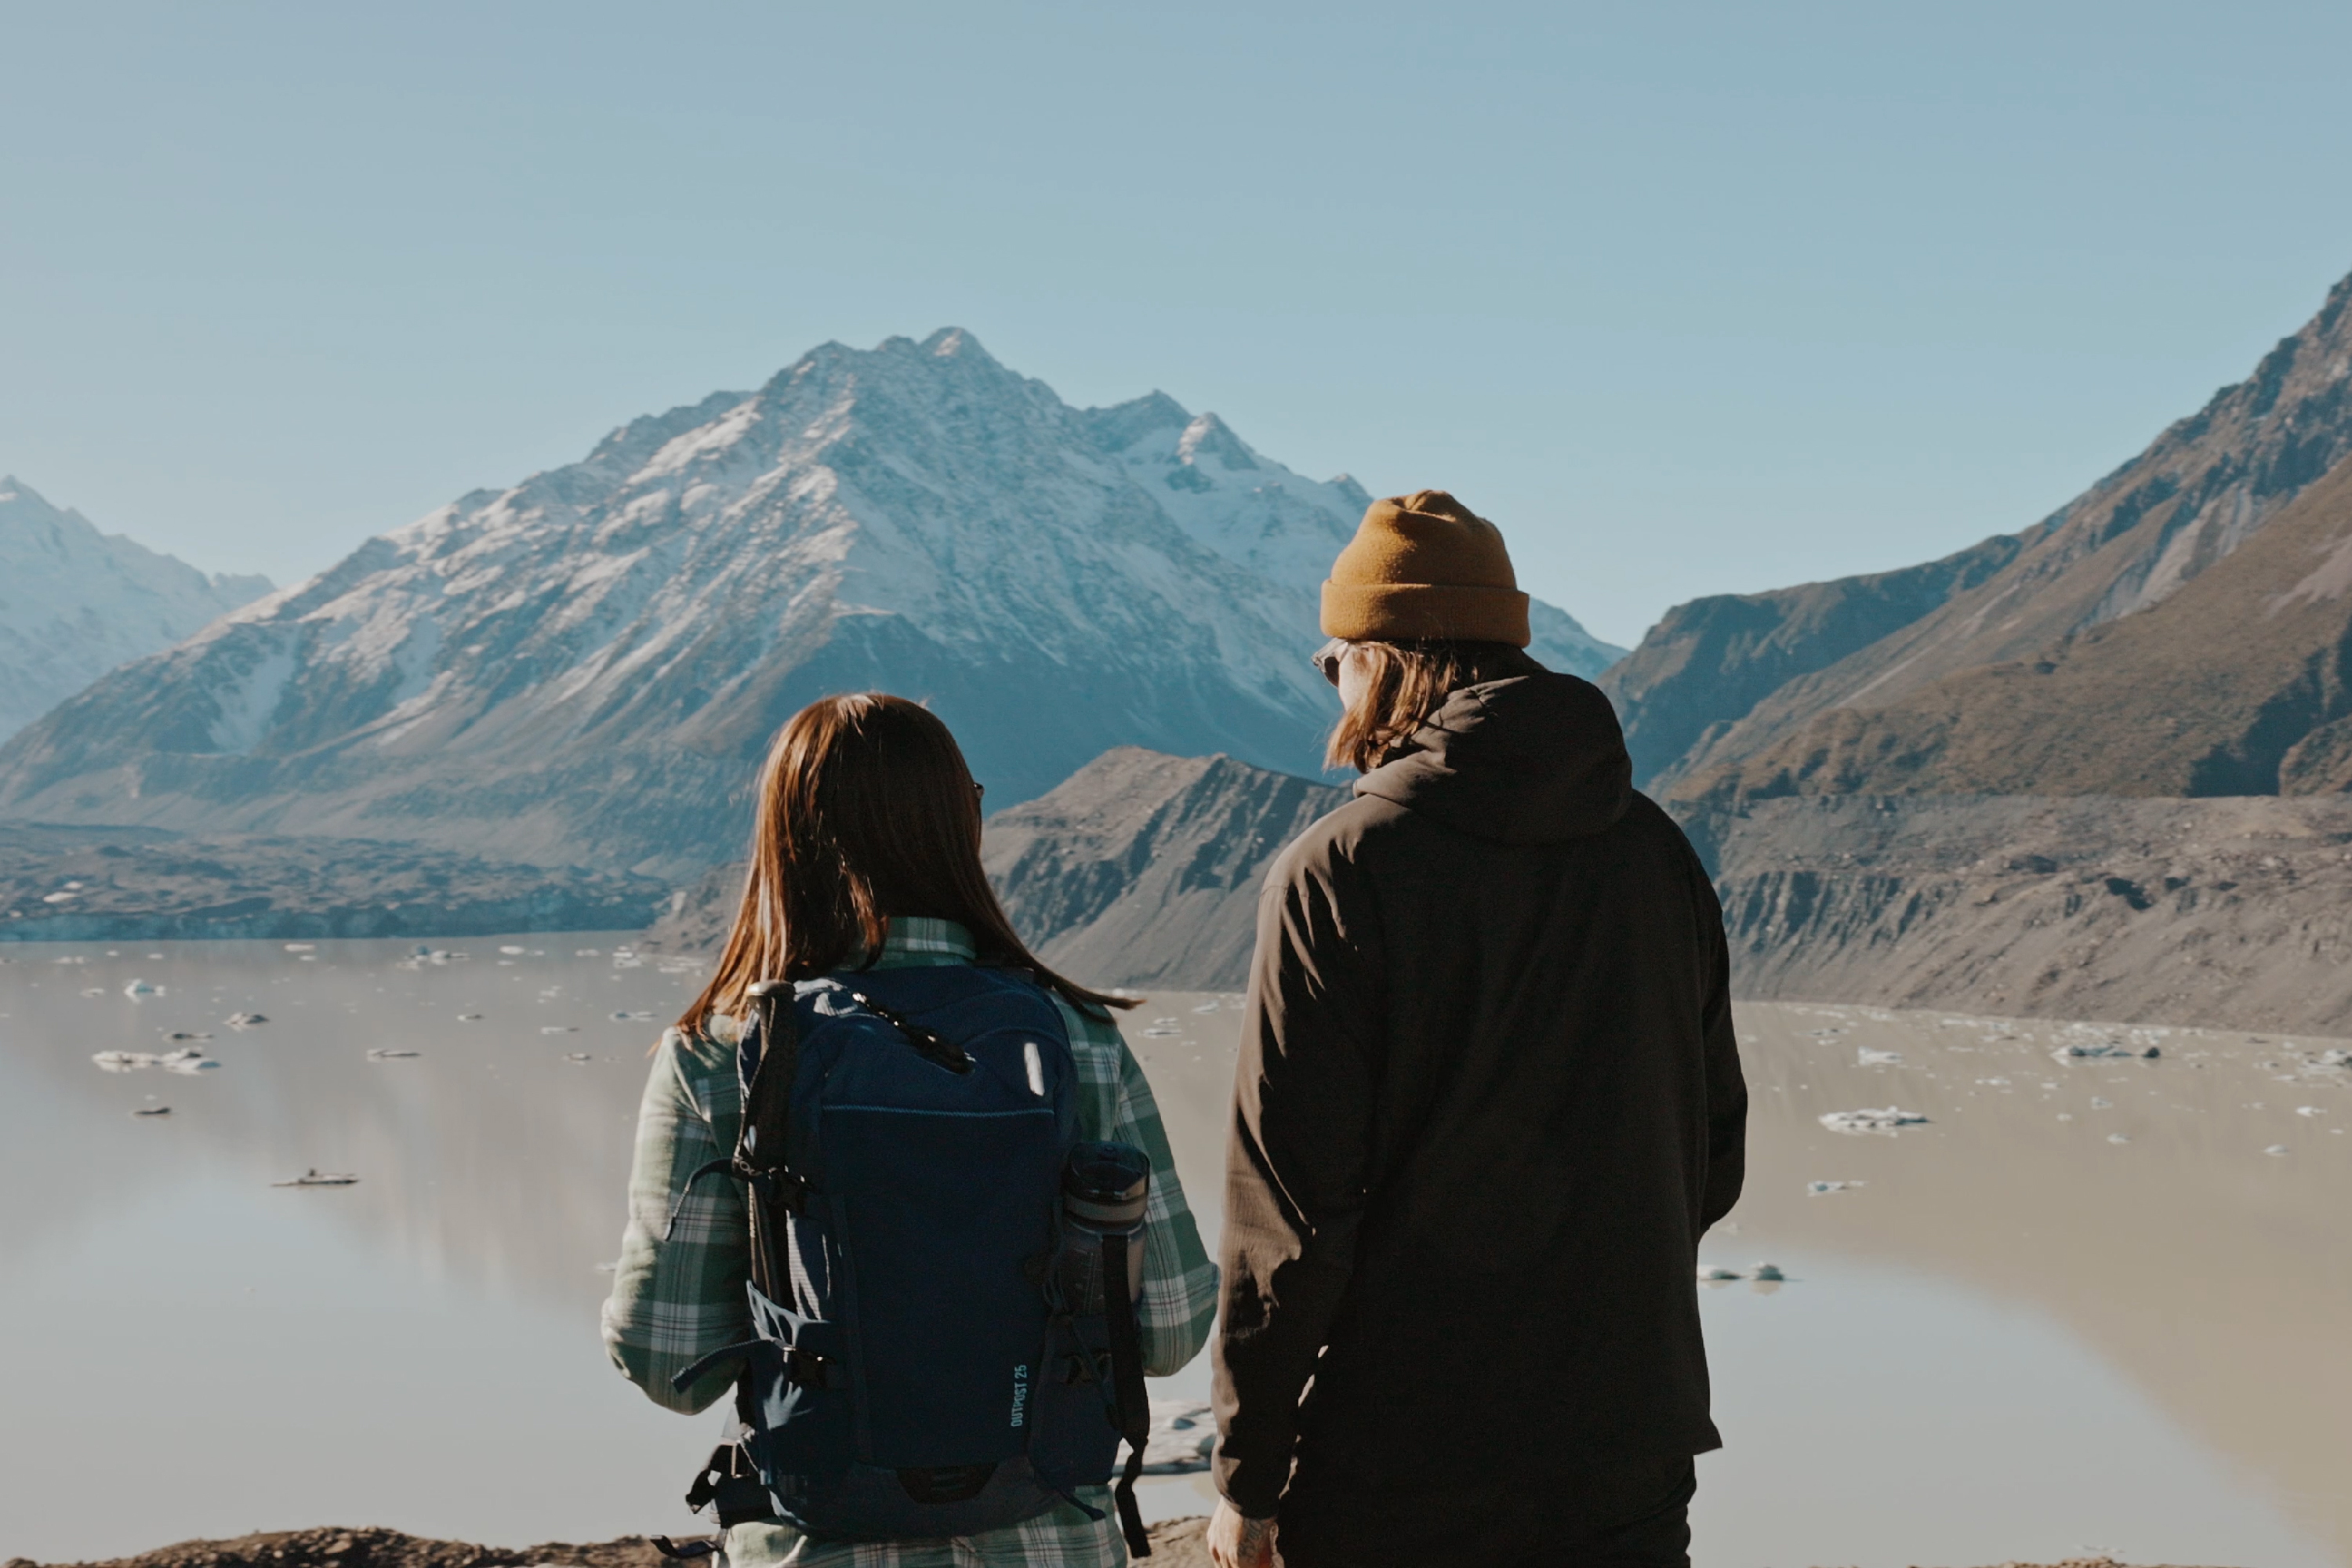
(1691, 298)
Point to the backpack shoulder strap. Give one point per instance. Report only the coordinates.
(766, 1062)
(762, 1157)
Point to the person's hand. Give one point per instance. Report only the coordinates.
(1238, 1542)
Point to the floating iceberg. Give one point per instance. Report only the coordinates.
(184, 1060)
(1866, 1121)
(2080, 1050)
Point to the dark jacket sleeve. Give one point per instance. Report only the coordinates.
(1727, 1086)
(1297, 1166)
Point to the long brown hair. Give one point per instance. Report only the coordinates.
(866, 810)
(1407, 683)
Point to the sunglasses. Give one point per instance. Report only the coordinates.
(1327, 657)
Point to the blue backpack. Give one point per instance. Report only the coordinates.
(940, 1269)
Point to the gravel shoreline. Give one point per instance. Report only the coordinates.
(1176, 1543)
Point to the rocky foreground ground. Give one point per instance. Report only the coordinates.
(1175, 1544)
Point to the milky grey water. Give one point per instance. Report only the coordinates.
(2079, 1307)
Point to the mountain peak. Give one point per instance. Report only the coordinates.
(955, 342)
(1209, 436)
(1122, 425)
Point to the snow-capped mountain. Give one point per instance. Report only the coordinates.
(75, 602)
(586, 667)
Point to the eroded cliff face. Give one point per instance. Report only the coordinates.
(2233, 913)
(1143, 869)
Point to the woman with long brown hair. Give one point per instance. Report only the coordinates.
(865, 861)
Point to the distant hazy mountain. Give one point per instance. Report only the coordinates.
(1723, 678)
(586, 667)
(75, 602)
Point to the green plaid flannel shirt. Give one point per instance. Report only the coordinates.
(676, 1300)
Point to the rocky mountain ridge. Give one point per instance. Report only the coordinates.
(76, 603)
(2239, 684)
(1722, 680)
(585, 668)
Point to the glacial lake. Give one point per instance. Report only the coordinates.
(2080, 1308)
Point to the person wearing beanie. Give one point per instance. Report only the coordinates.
(1489, 1098)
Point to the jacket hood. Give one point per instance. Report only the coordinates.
(1534, 759)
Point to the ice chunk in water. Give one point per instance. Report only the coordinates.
(1866, 1121)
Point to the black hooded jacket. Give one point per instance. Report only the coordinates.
(1489, 1098)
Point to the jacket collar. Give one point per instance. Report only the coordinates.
(1533, 759)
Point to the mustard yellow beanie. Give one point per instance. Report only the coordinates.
(1425, 566)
